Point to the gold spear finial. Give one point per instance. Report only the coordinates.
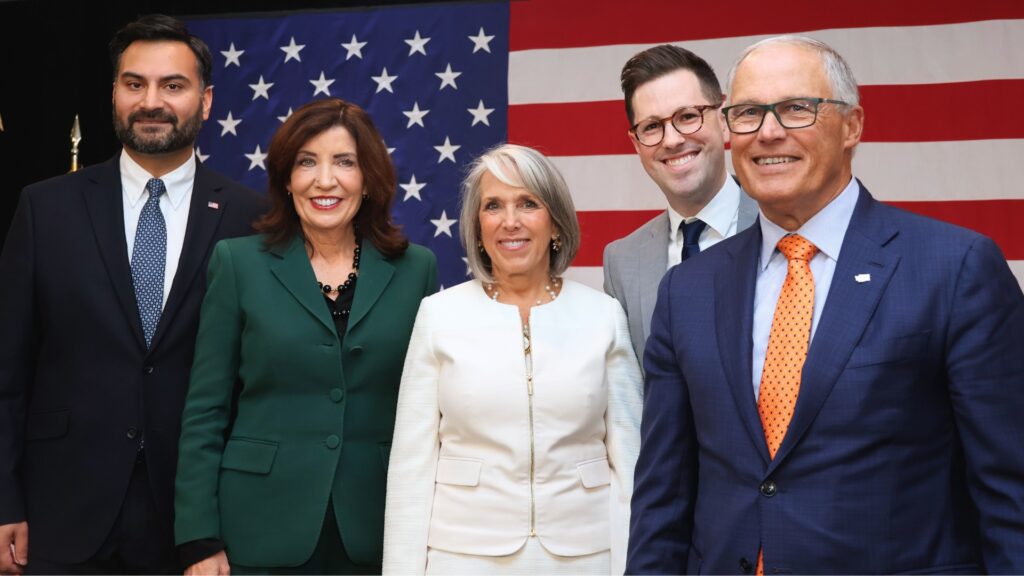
(76, 137)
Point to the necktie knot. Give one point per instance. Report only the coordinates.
(156, 187)
(691, 237)
(796, 247)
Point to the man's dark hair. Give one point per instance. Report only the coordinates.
(157, 27)
(658, 61)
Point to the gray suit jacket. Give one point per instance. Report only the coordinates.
(634, 265)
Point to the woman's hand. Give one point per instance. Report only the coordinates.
(216, 565)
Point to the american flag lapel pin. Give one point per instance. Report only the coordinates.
(861, 278)
(213, 205)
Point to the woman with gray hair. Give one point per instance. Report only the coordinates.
(518, 420)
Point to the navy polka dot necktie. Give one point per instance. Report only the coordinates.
(149, 256)
(691, 237)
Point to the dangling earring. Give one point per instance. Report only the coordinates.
(365, 195)
(556, 243)
(480, 246)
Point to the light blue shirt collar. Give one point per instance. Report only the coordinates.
(826, 229)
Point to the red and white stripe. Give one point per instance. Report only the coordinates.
(942, 85)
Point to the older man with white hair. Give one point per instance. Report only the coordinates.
(851, 400)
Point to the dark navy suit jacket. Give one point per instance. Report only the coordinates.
(78, 387)
(906, 448)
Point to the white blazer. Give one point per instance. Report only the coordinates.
(459, 478)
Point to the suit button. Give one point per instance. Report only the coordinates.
(336, 394)
(132, 433)
(333, 441)
(147, 370)
(745, 565)
(356, 350)
(768, 488)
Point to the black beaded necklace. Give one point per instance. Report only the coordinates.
(328, 289)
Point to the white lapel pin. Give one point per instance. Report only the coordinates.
(861, 278)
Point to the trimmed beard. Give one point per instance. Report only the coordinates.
(182, 134)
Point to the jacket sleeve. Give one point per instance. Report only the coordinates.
(208, 404)
(17, 338)
(414, 451)
(986, 384)
(666, 470)
(610, 284)
(431, 286)
(622, 422)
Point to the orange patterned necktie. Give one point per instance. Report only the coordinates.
(787, 346)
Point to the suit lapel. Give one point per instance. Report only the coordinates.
(200, 232)
(652, 261)
(374, 275)
(294, 271)
(735, 282)
(848, 310)
(102, 196)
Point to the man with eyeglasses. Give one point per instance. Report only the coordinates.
(672, 99)
(852, 399)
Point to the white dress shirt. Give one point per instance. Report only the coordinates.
(460, 476)
(721, 215)
(174, 205)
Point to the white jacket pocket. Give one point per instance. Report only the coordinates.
(458, 471)
(594, 473)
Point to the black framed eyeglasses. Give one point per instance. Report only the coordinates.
(792, 113)
(686, 120)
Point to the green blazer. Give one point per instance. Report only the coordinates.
(280, 416)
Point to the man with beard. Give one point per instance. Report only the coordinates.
(103, 275)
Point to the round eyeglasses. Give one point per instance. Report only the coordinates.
(792, 113)
(686, 120)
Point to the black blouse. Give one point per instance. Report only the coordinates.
(341, 307)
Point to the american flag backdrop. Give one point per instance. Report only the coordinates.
(434, 78)
(942, 84)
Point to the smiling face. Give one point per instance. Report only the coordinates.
(159, 100)
(792, 173)
(689, 169)
(516, 231)
(326, 183)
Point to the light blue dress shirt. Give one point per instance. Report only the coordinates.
(826, 230)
